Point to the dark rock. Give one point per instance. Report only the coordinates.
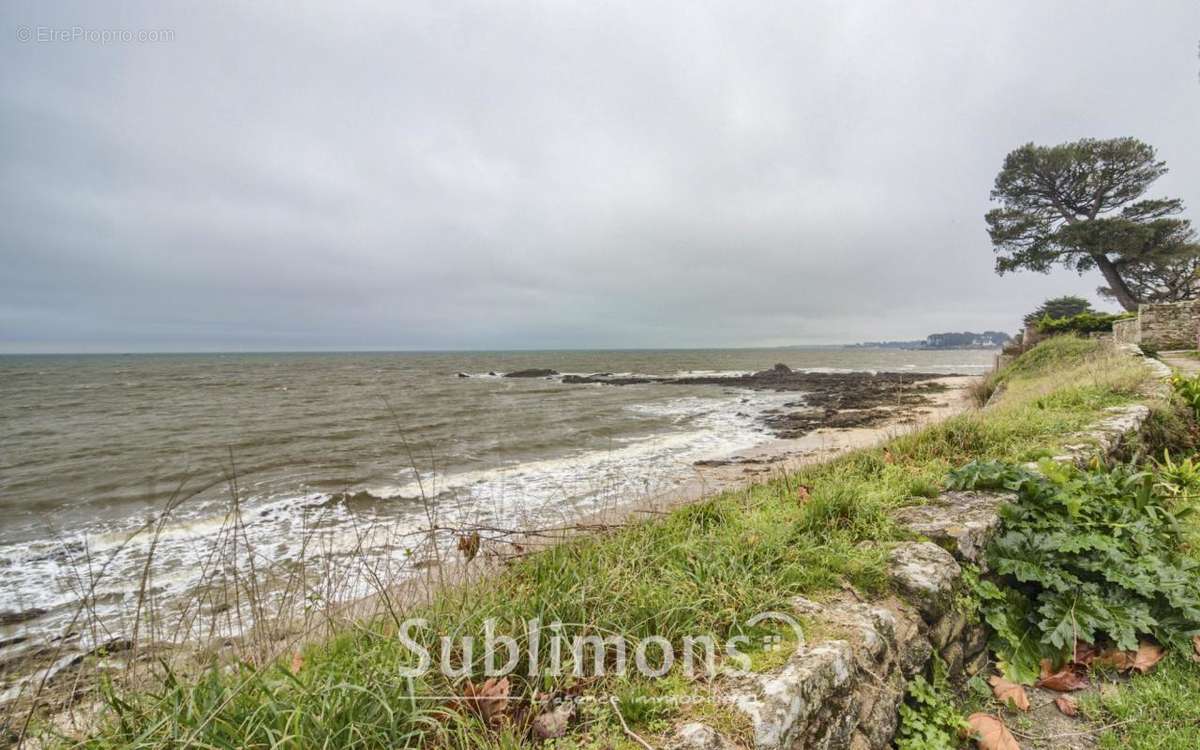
(838, 400)
(463, 375)
(114, 646)
(531, 373)
(732, 460)
(360, 498)
(14, 641)
(607, 379)
(15, 617)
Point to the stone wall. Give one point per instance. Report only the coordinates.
(844, 692)
(1173, 325)
(1127, 331)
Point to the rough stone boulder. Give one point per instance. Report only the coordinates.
(926, 575)
(696, 736)
(961, 522)
(809, 696)
(533, 373)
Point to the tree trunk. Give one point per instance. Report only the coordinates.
(1116, 283)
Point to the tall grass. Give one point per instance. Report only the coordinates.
(701, 569)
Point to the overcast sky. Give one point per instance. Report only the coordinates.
(523, 175)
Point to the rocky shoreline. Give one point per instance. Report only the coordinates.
(833, 400)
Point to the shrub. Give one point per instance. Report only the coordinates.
(1083, 323)
(1188, 391)
(928, 718)
(1059, 307)
(1085, 556)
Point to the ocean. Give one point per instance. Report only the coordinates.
(317, 447)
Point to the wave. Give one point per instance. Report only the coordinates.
(52, 576)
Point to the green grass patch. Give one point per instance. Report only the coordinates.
(1156, 711)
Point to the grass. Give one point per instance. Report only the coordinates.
(704, 568)
(1156, 711)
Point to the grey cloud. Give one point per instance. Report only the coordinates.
(449, 175)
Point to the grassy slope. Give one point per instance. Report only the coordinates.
(704, 568)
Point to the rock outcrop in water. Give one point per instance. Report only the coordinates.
(830, 399)
(532, 373)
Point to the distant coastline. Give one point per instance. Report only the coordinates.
(950, 340)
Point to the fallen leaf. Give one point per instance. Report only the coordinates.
(469, 545)
(297, 662)
(1084, 653)
(802, 494)
(1071, 677)
(1118, 660)
(1066, 705)
(553, 724)
(991, 734)
(487, 701)
(1009, 692)
(1148, 654)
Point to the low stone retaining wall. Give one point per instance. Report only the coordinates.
(1171, 325)
(1127, 331)
(844, 692)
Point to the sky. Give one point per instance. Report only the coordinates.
(496, 175)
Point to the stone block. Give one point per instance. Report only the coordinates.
(962, 522)
(926, 575)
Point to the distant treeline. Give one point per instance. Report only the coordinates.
(953, 340)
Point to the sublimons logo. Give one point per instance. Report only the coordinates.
(549, 650)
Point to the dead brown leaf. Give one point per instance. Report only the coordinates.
(1084, 653)
(468, 545)
(1148, 654)
(1067, 705)
(991, 734)
(1009, 692)
(1071, 677)
(1118, 660)
(487, 701)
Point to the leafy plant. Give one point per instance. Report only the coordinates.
(1085, 556)
(1178, 478)
(928, 718)
(1085, 322)
(1188, 390)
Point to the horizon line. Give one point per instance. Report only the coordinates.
(381, 350)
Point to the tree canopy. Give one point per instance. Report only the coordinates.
(1067, 306)
(1081, 205)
